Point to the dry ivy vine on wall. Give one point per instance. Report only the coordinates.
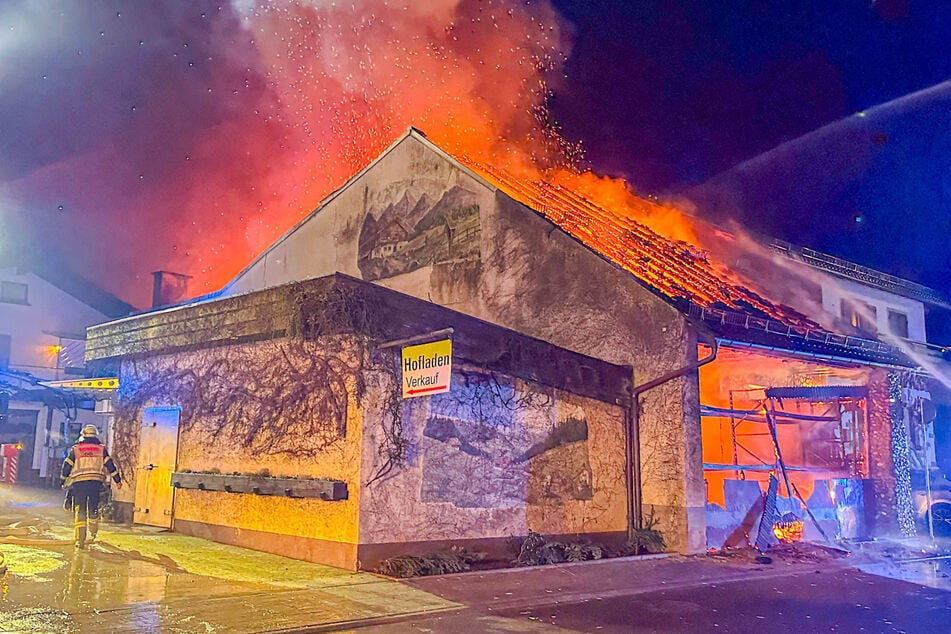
(393, 445)
(486, 395)
(276, 397)
(287, 396)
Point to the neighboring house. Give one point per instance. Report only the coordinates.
(43, 321)
(871, 300)
(899, 310)
(872, 184)
(722, 377)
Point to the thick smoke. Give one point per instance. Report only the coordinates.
(188, 136)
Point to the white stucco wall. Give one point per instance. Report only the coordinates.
(834, 290)
(48, 310)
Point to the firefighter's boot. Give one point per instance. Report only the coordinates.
(79, 527)
(93, 529)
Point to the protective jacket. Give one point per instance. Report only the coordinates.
(89, 460)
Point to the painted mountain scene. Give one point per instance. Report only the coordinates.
(409, 233)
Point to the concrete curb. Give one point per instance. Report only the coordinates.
(368, 621)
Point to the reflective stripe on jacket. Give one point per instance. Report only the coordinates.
(89, 461)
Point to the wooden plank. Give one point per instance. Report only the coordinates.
(325, 489)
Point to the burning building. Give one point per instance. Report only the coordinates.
(275, 420)
(723, 386)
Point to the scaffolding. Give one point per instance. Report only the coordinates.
(830, 423)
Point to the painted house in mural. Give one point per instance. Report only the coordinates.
(713, 369)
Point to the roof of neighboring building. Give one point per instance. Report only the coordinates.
(861, 274)
(873, 187)
(71, 283)
(87, 292)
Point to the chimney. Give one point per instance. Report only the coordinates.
(168, 288)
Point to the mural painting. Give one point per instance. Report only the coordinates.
(411, 231)
(487, 453)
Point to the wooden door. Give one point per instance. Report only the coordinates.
(158, 454)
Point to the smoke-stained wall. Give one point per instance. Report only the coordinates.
(541, 281)
(493, 458)
(408, 222)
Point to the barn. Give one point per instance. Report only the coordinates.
(604, 377)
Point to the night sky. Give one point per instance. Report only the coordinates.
(188, 135)
(687, 90)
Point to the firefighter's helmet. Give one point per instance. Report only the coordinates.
(89, 431)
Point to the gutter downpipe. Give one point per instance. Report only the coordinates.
(635, 512)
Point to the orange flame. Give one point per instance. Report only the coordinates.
(318, 90)
(788, 532)
(605, 215)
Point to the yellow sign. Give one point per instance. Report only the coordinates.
(85, 384)
(427, 368)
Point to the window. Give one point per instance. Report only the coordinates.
(13, 292)
(860, 315)
(898, 323)
(4, 352)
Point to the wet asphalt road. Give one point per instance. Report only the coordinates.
(140, 580)
(845, 600)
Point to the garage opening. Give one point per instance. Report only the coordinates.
(803, 423)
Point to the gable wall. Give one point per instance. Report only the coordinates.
(509, 266)
(540, 280)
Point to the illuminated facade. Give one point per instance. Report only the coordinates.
(278, 417)
(710, 362)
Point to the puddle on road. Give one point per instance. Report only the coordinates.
(34, 620)
(934, 573)
(211, 559)
(59, 591)
(30, 563)
(97, 579)
(146, 580)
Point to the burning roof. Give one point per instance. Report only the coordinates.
(606, 217)
(676, 269)
(681, 272)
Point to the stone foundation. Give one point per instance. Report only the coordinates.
(320, 551)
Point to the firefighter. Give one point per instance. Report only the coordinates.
(84, 476)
